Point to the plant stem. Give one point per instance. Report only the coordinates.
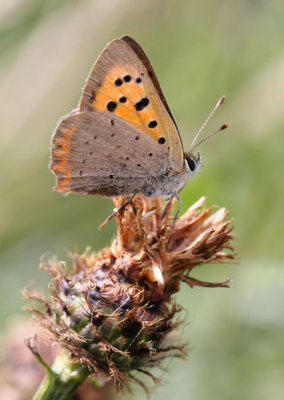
(62, 379)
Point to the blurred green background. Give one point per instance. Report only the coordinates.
(200, 51)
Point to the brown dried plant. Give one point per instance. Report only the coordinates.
(114, 311)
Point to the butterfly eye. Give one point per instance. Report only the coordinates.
(191, 163)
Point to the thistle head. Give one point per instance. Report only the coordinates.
(114, 310)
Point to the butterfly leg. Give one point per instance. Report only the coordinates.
(166, 207)
(179, 205)
(124, 205)
(174, 194)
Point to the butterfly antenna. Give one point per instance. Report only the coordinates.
(225, 126)
(193, 146)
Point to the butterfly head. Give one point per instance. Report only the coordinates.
(192, 163)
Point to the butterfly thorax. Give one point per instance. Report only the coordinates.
(169, 183)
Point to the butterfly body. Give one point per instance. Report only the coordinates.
(122, 138)
(165, 185)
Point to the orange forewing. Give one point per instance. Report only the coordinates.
(133, 92)
(146, 62)
(118, 61)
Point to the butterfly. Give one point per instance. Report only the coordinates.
(122, 139)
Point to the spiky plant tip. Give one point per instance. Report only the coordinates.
(114, 311)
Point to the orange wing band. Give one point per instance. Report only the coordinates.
(60, 158)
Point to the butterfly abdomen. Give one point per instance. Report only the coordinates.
(168, 184)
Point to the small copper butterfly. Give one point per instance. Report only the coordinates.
(122, 139)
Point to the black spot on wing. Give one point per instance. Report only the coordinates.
(123, 99)
(92, 97)
(118, 82)
(153, 124)
(161, 140)
(111, 106)
(141, 104)
(127, 78)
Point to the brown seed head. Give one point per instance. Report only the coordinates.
(114, 311)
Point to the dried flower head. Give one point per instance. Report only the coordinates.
(114, 311)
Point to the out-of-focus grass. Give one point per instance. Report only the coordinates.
(200, 50)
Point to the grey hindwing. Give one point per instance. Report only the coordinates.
(108, 156)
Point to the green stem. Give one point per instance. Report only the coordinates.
(62, 379)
